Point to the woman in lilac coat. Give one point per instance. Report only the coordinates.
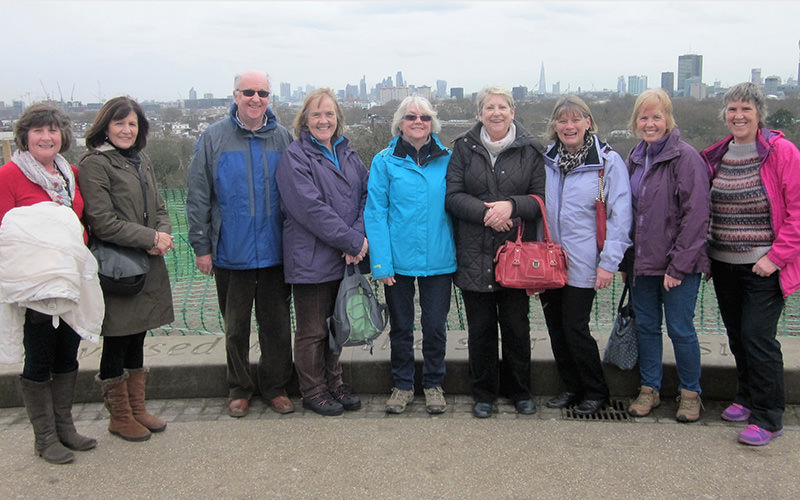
(323, 188)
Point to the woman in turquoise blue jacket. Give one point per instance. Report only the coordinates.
(411, 238)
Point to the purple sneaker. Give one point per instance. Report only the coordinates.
(736, 413)
(756, 436)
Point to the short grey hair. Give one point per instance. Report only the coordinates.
(746, 92)
(423, 105)
(494, 90)
(238, 78)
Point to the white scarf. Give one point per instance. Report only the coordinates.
(60, 188)
(496, 147)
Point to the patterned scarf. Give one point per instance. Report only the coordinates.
(496, 147)
(60, 186)
(567, 161)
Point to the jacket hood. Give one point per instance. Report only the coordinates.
(272, 121)
(668, 151)
(765, 139)
(596, 155)
(523, 138)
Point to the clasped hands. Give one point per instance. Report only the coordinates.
(498, 215)
(161, 244)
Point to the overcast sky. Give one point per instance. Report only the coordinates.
(159, 50)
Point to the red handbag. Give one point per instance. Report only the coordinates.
(533, 265)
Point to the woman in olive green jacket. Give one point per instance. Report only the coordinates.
(123, 207)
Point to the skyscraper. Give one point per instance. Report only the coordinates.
(637, 84)
(362, 88)
(286, 91)
(621, 87)
(689, 66)
(755, 76)
(542, 82)
(441, 89)
(668, 82)
(399, 80)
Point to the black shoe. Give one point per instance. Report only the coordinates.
(563, 400)
(323, 404)
(525, 406)
(350, 402)
(482, 410)
(590, 406)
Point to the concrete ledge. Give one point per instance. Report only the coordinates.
(194, 367)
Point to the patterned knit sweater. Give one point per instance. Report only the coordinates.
(741, 230)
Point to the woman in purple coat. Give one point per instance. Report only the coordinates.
(670, 192)
(323, 188)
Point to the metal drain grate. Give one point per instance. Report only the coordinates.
(615, 412)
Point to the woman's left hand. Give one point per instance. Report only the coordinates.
(670, 282)
(604, 279)
(498, 215)
(355, 259)
(765, 267)
(162, 244)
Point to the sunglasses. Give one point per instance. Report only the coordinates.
(411, 118)
(250, 93)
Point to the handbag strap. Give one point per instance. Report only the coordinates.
(622, 297)
(546, 233)
(601, 184)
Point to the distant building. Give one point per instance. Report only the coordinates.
(689, 66)
(621, 87)
(424, 91)
(755, 76)
(637, 84)
(771, 84)
(441, 89)
(457, 92)
(668, 82)
(362, 88)
(519, 93)
(385, 94)
(208, 95)
(192, 94)
(542, 82)
(557, 88)
(351, 91)
(695, 88)
(401, 93)
(286, 90)
(399, 79)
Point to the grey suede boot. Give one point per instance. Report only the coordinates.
(63, 391)
(38, 398)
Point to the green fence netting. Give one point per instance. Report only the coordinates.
(196, 311)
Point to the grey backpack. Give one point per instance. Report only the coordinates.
(358, 318)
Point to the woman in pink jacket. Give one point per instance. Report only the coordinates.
(754, 245)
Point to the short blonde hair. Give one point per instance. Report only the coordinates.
(301, 119)
(423, 105)
(648, 98)
(494, 90)
(569, 104)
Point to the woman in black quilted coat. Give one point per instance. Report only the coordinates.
(493, 169)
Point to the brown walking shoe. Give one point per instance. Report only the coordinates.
(647, 400)
(689, 407)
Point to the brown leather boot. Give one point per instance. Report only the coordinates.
(121, 423)
(38, 398)
(63, 392)
(136, 387)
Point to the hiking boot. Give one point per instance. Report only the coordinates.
(350, 402)
(323, 404)
(398, 400)
(689, 407)
(756, 436)
(736, 413)
(434, 400)
(647, 400)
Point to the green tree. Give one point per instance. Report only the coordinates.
(783, 119)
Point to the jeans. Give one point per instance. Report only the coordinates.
(567, 312)
(47, 349)
(237, 290)
(649, 299)
(434, 300)
(750, 306)
(120, 353)
(318, 369)
(488, 376)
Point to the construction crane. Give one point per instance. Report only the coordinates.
(46, 94)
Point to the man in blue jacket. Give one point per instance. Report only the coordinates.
(235, 226)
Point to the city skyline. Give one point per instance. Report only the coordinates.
(167, 48)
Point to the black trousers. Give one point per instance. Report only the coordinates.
(47, 349)
(120, 353)
(489, 376)
(567, 312)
